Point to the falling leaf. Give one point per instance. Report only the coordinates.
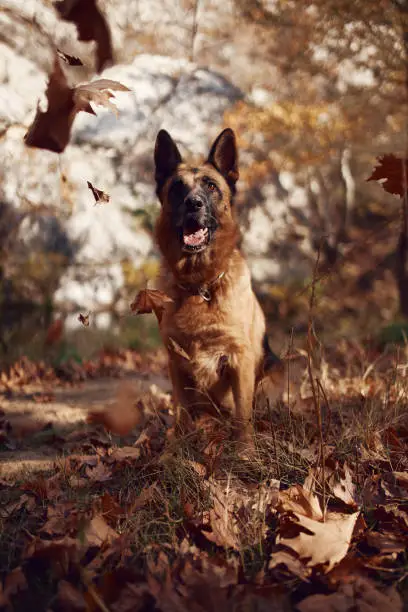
(150, 300)
(51, 129)
(71, 60)
(91, 25)
(100, 196)
(393, 173)
(178, 349)
(122, 416)
(54, 332)
(338, 481)
(84, 319)
(317, 540)
(99, 93)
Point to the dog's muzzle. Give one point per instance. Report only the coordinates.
(196, 231)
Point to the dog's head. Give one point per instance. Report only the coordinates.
(196, 228)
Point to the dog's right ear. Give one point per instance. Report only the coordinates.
(166, 158)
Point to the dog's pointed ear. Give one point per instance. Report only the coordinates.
(224, 157)
(166, 158)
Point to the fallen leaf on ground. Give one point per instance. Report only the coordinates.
(150, 300)
(145, 496)
(91, 25)
(359, 595)
(100, 473)
(317, 540)
(237, 517)
(125, 453)
(338, 481)
(69, 599)
(98, 531)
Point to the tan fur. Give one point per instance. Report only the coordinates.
(222, 337)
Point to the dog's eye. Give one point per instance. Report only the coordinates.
(211, 186)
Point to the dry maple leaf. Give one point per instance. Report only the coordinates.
(358, 595)
(51, 129)
(100, 196)
(69, 598)
(317, 540)
(84, 319)
(91, 25)
(150, 300)
(393, 173)
(100, 473)
(125, 453)
(99, 92)
(98, 531)
(237, 515)
(71, 60)
(122, 416)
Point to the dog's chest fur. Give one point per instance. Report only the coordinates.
(214, 333)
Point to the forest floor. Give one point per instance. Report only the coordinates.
(103, 508)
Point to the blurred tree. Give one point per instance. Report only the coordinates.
(339, 98)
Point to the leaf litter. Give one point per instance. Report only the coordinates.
(131, 519)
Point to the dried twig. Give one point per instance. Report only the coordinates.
(314, 386)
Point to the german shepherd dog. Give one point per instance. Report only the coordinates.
(214, 328)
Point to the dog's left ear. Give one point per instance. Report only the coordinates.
(166, 158)
(224, 157)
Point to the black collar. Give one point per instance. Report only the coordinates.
(203, 290)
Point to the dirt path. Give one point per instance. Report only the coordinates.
(34, 414)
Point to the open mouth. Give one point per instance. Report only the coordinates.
(195, 239)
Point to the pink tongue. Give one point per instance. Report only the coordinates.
(196, 238)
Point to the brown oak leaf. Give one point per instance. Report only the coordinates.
(84, 319)
(99, 195)
(150, 300)
(392, 171)
(71, 60)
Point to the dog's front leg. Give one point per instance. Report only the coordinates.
(183, 419)
(243, 387)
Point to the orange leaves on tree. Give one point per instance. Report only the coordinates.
(150, 300)
(51, 129)
(392, 171)
(91, 25)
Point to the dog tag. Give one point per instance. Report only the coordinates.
(205, 294)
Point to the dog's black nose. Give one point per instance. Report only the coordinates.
(195, 202)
